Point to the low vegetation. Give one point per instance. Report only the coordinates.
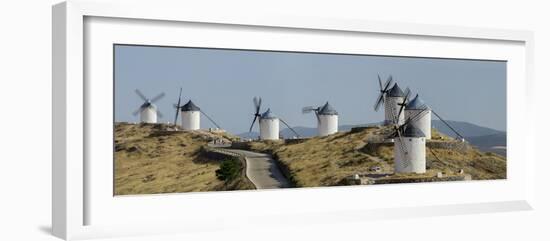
(230, 170)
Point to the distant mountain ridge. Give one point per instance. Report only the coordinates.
(466, 129)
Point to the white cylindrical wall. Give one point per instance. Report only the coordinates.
(391, 104)
(190, 120)
(423, 123)
(328, 124)
(148, 115)
(269, 129)
(415, 160)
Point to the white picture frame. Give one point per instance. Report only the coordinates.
(73, 187)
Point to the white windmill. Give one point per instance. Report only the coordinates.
(424, 121)
(269, 123)
(384, 89)
(327, 118)
(415, 106)
(409, 146)
(191, 115)
(393, 98)
(148, 111)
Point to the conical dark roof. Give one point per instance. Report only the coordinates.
(395, 91)
(412, 131)
(268, 115)
(147, 104)
(190, 106)
(327, 110)
(416, 104)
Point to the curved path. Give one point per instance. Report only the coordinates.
(262, 170)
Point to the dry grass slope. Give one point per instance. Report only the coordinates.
(326, 161)
(149, 160)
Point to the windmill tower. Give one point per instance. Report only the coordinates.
(269, 123)
(409, 146)
(410, 151)
(415, 106)
(269, 126)
(327, 118)
(190, 116)
(148, 111)
(395, 99)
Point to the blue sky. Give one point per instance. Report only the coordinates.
(223, 82)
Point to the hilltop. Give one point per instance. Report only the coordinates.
(483, 138)
(327, 161)
(149, 158)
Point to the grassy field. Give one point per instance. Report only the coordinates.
(149, 160)
(326, 161)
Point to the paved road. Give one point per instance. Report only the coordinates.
(262, 170)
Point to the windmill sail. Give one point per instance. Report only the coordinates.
(177, 108)
(309, 109)
(257, 105)
(141, 95)
(404, 102)
(383, 90)
(148, 102)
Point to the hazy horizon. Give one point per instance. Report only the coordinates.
(223, 82)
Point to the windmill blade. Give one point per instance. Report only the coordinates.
(379, 102)
(176, 119)
(253, 121)
(160, 114)
(287, 125)
(405, 100)
(178, 108)
(401, 142)
(403, 149)
(308, 109)
(141, 95)
(318, 118)
(389, 82)
(383, 91)
(136, 112)
(210, 119)
(408, 93)
(257, 104)
(158, 97)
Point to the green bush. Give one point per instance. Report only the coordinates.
(229, 169)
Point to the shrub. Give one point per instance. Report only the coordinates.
(229, 169)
